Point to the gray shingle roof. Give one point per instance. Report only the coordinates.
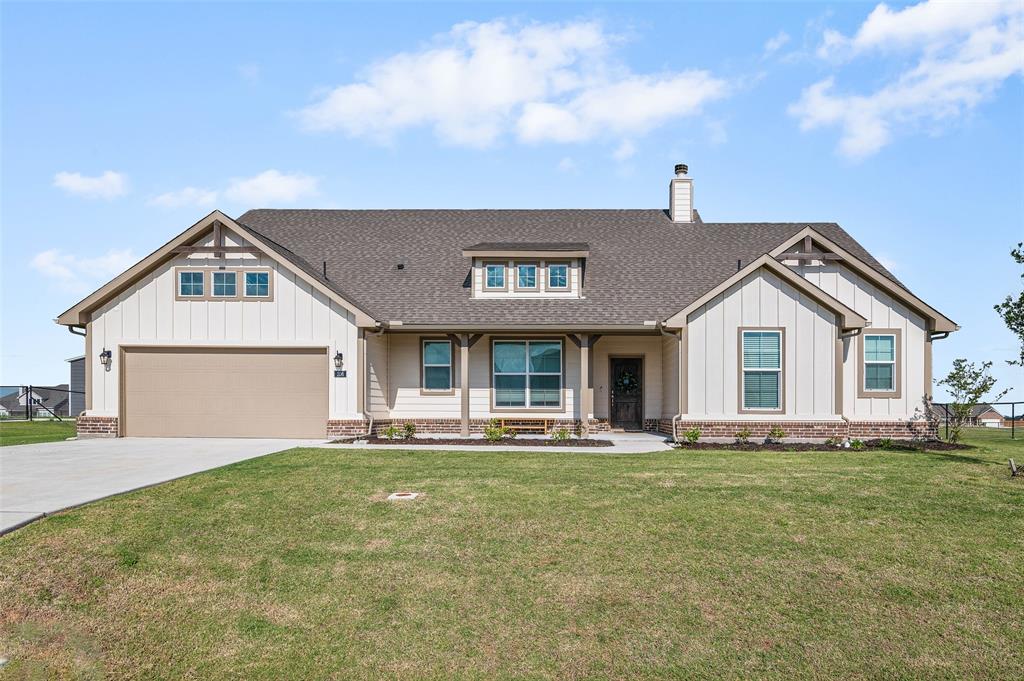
(527, 246)
(642, 266)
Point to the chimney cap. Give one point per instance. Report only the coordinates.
(682, 169)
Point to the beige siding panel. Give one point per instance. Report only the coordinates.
(761, 300)
(648, 347)
(224, 392)
(377, 370)
(147, 314)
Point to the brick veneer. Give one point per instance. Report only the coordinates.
(808, 429)
(96, 426)
(349, 428)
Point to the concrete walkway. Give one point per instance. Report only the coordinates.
(624, 443)
(39, 479)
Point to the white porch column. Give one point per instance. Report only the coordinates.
(585, 397)
(464, 382)
(362, 367)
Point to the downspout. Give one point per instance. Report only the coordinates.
(72, 327)
(679, 416)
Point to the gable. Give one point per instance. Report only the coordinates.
(202, 239)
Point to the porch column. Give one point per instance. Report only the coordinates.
(361, 371)
(684, 369)
(464, 382)
(585, 384)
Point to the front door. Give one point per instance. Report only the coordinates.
(626, 393)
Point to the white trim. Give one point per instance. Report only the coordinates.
(424, 365)
(202, 283)
(745, 371)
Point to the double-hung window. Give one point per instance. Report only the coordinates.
(437, 365)
(526, 276)
(224, 285)
(558, 276)
(762, 370)
(527, 374)
(257, 284)
(879, 362)
(190, 284)
(494, 275)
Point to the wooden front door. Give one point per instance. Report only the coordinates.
(626, 393)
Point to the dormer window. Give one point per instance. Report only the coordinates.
(494, 276)
(526, 276)
(558, 276)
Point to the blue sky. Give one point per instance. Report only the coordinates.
(123, 124)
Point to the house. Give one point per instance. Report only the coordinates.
(981, 415)
(314, 323)
(76, 393)
(43, 402)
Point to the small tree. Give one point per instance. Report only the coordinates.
(1012, 309)
(967, 383)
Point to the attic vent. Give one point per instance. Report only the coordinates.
(400, 266)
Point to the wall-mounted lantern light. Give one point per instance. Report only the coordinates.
(106, 358)
(339, 359)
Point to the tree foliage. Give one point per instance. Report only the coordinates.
(1012, 309)
(967, 384)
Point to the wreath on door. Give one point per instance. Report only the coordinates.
(627, 383)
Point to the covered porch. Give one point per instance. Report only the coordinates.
(456, 382)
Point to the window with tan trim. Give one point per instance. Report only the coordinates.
(191, 283)
(225, 284)
(761, 382)
(880, 363)
(558, 276)
(436, 372)
(257, 284)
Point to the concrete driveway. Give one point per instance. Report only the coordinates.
(39, 479)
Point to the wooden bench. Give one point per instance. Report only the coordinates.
(529, 426)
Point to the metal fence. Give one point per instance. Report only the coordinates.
(1005, 417)
(39, 402)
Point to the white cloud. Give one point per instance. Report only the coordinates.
(271, 187)
(189, 196)
(251, 73)
(625, 150)
(962, 53)
(109, 185)
(775, 43)
(539, 82)
(567, 165)
(78, 275)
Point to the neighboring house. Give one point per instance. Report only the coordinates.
(44, 402)
(76, 395)
(981, 415)
(313, 323)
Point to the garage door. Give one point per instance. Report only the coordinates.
(229, 392)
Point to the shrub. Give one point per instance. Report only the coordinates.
(410, 430)
(834, 442)
(560, 434)
(743, 436)
(886, 443)
(692, 435)
(776, 434)
(494, 431)
(392, 432)
(857, 444)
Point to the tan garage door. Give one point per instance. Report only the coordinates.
(226, 392)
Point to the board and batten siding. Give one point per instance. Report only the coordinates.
(883, 312)
(146, 313)
(761, 300)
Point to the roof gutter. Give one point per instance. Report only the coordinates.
(398, 325)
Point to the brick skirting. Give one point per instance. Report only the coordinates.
(352, 427)
(96, 426)
(863, 430)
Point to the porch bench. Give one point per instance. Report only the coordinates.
(528, 426)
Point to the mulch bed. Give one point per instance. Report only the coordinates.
(897, 445)
(507, 442)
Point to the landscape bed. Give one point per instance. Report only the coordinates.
(890, 445)
(701, 564)
(461, 441)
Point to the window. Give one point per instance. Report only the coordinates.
(526, 276)
(558, 275)
(880, 363)
(527, 374)
(224, 284)
(762, 370)
(494, 275)
(257, 284)
(190, 284)
(437, 365)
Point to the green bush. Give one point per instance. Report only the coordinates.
(494, 431)
(776, 434)
(834, 442)
(692, 435)
(743, 436)
(560, 434)
(857, 444)
(886, 443)
(410, 430)
(392, 432)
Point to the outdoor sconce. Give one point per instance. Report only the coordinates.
(338, 360)
(106, 358)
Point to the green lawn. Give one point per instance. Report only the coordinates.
(27, 432)
(537, 565)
